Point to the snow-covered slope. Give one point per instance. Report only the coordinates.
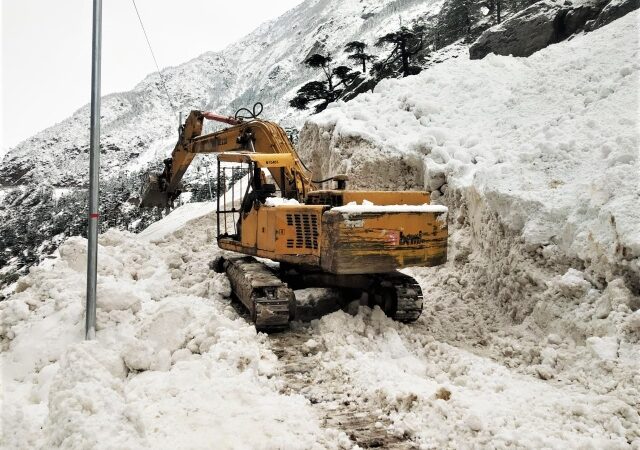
(138, 126)
(538, 162)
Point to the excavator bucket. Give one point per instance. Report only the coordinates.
(152, 196)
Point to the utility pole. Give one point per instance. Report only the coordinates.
(94, 172)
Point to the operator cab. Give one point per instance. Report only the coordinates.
(245, 181)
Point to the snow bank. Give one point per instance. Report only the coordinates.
(352, 207)
(277, 201)
(440, 396)
(176, 219)
(549, 142)
(173, 365)
(179, 217)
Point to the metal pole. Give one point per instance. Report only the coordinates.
(209, 183)
(94, 172)
(218, 200)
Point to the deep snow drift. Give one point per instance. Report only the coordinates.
(174, 366)
(537, 160)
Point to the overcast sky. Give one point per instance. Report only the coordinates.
(46, 49)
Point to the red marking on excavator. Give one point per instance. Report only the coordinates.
(218, 118)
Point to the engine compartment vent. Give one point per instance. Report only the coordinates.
(306, 226)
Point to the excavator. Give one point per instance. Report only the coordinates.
(270, 208)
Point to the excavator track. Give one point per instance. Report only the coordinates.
(409, 299)
(399, 296)
(270, 302)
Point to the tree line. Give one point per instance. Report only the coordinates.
(406, 48)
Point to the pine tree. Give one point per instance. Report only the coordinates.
(345, 76)
(457, 18)
(310, 92)
(406, 43)
(319, 61)
(328, 90)
(356, 48)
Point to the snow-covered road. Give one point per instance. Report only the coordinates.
(176, 366)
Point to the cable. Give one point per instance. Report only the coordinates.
(166, 91)
(322, 181)
(308, 170)
(251, 114)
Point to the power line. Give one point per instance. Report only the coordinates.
(166, 91)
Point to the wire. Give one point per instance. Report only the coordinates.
(166, 91)
(253, 114)
(309, 170)
(257, 110)
(322, 181)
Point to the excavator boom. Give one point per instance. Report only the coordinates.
(163, 188)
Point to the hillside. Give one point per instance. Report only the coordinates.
(548, 143)
(138, 127)
(530, 337)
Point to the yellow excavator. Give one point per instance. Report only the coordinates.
(269, 207)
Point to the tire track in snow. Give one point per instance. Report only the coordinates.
(330, 393)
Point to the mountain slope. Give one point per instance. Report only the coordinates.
(138, 126)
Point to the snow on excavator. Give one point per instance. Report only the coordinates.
(354, 241)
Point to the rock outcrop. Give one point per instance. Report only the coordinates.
(547, 22)
(612, 11)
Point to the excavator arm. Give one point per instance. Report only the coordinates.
(256, 135)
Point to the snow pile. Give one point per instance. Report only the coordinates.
(177, 219)
(440, 396)
(549, 142)
(277, 201)
(173, 364)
